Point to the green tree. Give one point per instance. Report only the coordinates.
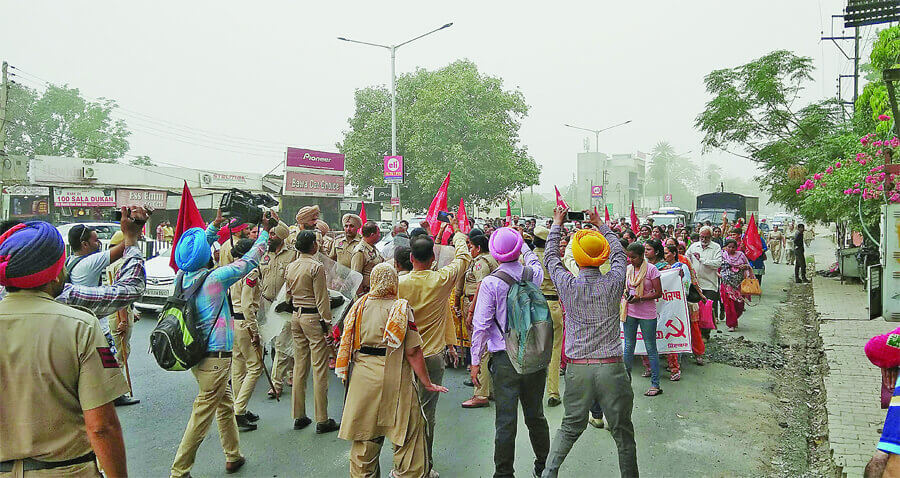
(451, 119)
(754, 109)
(671, 173)
(60, 122)
(873, 101)
(141, 160)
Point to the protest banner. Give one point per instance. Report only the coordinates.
(673, 324)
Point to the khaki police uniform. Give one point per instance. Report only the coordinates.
(308, 292)
(225, 257)
(126, 315)
(552, 296)
(272, 270)
(482, 266)
(365, 257)
(246, 365)
(295, 231)
(55, 363)
(343, 248)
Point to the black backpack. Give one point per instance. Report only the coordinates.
(177, 342)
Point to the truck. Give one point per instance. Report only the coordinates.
(711, 207)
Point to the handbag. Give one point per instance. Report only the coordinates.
(693, 296)
(706, 315)
(750, 286)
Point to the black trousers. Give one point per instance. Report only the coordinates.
(800, 264)
(510, 388)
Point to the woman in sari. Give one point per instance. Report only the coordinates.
(735, 267)
(381, 340)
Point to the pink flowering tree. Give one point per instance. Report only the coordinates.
(840, 190)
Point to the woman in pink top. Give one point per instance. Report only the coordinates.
(642, 288)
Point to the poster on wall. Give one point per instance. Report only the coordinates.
(673, 322)
(81, 197)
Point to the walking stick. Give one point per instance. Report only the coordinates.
(266, 370)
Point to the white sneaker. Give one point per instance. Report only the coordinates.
(434, 474)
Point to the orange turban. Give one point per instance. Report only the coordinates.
(590, 248)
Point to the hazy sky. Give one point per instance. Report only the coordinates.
(255, 77)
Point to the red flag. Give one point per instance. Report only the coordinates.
(462, 218)
(439, 203)
(606, 214)
(188, 217)
(635, 222)
(508, 214)
(362, 212)
(559, 200)
(752, 242)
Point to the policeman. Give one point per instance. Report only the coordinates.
(482, 266)
(327, 241)
(365, 255)
(246, 364)
(307, 293)
(228, 237)
(271, 276)
(307, 217)
(122, 322)
(61, 419)
(342, 250)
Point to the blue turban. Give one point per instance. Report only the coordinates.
(192, 252)
(31, 255)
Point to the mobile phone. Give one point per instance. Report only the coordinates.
(575, 215)
(443, 216)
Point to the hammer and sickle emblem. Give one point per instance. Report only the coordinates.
(671, 323)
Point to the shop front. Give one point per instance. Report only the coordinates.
(83, 205)
(313, 178)
(28, 203)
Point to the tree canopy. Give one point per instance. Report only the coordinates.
(60, 122)
(451, 119)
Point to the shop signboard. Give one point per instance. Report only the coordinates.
(596, 192)
(299, 183)
(141, 197)
(26, 190)
(223, 180)
(308, 158)
(84, 197)
(381, 194)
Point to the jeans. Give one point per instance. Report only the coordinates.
(510, 388)
(610, 386)
(648, 329)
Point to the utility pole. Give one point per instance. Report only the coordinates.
(834, 39)
(4, 100)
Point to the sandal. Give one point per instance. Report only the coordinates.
(273, 394)
(646, 373)
(653, 392)
(700, 361)
(676, 376)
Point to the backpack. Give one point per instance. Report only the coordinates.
(529, 328)
(176, 342)
(73, 261)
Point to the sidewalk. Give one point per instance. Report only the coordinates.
(852, 384)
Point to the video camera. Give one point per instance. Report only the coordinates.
(245, 205)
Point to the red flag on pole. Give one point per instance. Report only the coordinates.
(188, 217)
(605, 213)
(752, 242)
(462, 218)
(508, 214)
(362, 212)
(439, 203)
(635, 222)
(559, 200)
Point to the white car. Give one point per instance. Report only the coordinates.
(160, 283)
(105, 231)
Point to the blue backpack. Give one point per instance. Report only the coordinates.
(529, 328)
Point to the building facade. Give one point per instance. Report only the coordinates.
(620, 177)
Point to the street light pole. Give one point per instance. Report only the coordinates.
(597, 147)
(395, 188)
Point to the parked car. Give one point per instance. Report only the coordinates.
(160, 283)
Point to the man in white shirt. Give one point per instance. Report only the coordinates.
(706, 257)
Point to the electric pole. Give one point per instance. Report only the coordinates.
(834, 39)
(4, 100)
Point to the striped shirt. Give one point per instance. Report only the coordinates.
(219, 329)
(128, 287)
(591, 300)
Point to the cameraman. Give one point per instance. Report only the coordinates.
(214, 400)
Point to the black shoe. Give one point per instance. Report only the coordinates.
(553, 402)
(243, 424)
(301, 423)
(468, 382)
(327, 426)
(123, 401)
(251, 416)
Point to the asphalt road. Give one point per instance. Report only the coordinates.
(717, 421)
